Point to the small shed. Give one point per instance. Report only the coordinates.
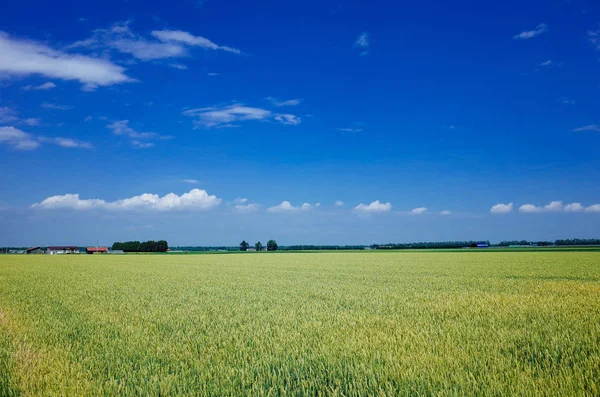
(35, 250)
(96, 250)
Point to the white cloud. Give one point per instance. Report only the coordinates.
(253, 207)
(42, 87)
(138, 139)
(375, 206)
(593, 208)
(418, 211)
(317, 205)
(350, 129)
(179, 36)
(546, 63)
(286, 206)
(554, 206)
(227, 116)
(288, 119)
(502, 208)
(88, 118)
(240, 200)
(214, 74)
(362, 43)
(445, 212)
(24, 57)
(53, 106)
(192, 181)
(339, 203)
(195, 199)
(529, 34)
(574, 207)
(278, 103)
(21, 140)
(592, 127)
(7, 115)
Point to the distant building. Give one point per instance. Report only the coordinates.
(483, 245)
(62, 249)
(96, 250)
(35, 250)
(116, 252)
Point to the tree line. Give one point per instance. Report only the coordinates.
(271, 246)
(146, 246)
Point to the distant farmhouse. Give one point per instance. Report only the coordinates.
(96, 250)
(62, 249)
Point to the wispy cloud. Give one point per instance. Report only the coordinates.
(66, 142)
(591, 127)
(230, 115)
(192, 181)
(375, 206)
(502, 208)
(418, 211)
(286, 206)
(179, 36)
(546, 63)
(240, 200)
(445, 212)
(138, 139)
(566, 101)
(141, 145)
(163, 44)
(529, 34)
(279, 103)
(42, 87)
(31, 122)
(252, 207)
(54, 106)
(350, 129)
(363, 43)
(594, 37)
(25, 57)
(339, 203)
(178, 66)
(20, 140)
(214, 74)
(195, 199)
(7, 115)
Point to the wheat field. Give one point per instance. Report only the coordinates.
(341, 324)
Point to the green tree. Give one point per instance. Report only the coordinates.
(271, 245)
(244, 246)
(258, 245)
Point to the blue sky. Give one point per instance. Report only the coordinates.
(316, 122)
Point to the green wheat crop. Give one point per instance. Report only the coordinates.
(393, 323)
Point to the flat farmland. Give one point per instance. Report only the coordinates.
(354, 323)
